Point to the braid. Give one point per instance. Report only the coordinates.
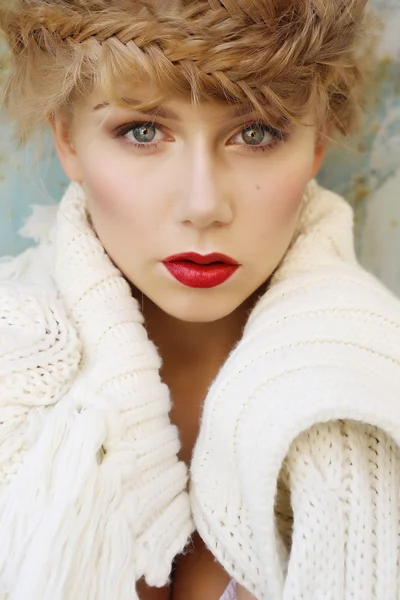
(280, 54)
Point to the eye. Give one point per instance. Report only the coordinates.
(256, 134)
(142, 133)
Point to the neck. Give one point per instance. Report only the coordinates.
(192, 355)
(179, 342)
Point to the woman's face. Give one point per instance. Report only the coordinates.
(197, 179)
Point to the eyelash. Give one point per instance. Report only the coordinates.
(279, 136)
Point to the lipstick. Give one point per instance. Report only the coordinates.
(199, 271)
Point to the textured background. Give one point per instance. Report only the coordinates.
(367, 173)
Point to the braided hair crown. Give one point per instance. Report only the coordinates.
(283, 57)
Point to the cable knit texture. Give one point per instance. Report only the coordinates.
(295, 476)
(95, 495)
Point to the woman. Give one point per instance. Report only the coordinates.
(200, 387)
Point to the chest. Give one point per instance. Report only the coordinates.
(196, 573)
(187, 396)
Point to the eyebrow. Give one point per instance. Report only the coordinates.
(166, 113)
(155, 111)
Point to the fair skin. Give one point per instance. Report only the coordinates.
(197, 183)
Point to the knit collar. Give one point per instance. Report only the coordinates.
(321, 345)
(298, 337)
(101, 498)
(119, 383)
(119, 372)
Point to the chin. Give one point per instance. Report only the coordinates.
(199, 312)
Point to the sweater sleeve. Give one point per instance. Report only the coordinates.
(344, 481)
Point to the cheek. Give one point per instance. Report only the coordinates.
(121, 206)
(110, 193)
(279, 187)
(276, 201)
(279, 201)
(289, 196)
(121, 197)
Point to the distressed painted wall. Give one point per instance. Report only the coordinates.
(367, 174)
(369, 177)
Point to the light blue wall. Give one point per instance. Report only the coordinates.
(26, 177)
(369, 179)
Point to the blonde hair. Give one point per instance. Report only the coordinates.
(283, 57)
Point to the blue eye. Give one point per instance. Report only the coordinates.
(254, 134)
(143, 133)
(258, 136)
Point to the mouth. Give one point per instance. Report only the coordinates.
(201, 271)
(199, 259)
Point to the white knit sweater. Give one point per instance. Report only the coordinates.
(295, 478)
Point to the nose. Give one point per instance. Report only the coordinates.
(205, 197)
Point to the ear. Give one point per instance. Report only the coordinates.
(61, 126)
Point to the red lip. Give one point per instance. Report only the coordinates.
(198, 271)
(199, 259)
